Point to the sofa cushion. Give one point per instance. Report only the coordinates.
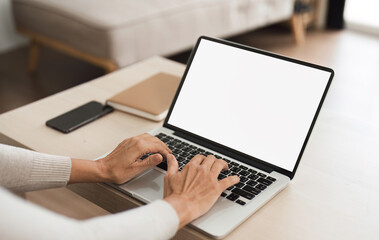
(128, 31)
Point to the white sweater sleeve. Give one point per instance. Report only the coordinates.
(24, 170)
(23, 220)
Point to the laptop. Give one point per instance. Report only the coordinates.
(252, 108)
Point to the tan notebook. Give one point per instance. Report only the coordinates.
(150, 98)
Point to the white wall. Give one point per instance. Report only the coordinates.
(9, 38)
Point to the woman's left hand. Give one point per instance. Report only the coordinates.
(123, 163)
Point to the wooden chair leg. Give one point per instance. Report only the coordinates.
(298, 28)
(34, 51)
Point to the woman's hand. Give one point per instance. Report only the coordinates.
(123, 163)
(194, 190)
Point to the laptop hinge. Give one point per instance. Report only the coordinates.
(225, 151)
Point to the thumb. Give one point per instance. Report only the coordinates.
(151, 161)
(172, 164)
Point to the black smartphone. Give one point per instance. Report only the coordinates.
(74, 119)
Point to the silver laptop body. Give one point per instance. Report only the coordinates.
(253, 108)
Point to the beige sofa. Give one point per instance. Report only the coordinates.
(115, 33)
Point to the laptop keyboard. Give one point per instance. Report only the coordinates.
(252, 182)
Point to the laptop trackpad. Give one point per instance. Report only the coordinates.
(148, 187)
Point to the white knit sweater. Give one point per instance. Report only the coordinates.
(24, 170)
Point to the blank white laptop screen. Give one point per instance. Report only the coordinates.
(259, 105)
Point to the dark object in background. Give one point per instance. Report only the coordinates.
(335, 14)
(302, 7)
(74, 119)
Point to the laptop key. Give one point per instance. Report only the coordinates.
(243, 167)
(187, 149)
(243, 172)
(251, 190)
(253, 177)
(226, 160)
(223, 194)
(184, 154)
(243, 193)
(235, 169)
(221, 176)
(165, 140)
(161, 135)
(240, 202)
(261, 175)
(180, 146)
(264, 181)
(163, 165)
(243, 179)
(176, 151)
(252, 171)
(271, 179)
(261, 187)
(233, 197)
(252, 183)
(240, 185)
(234, 164)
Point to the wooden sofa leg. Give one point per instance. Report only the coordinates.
(110, 67)
(298, 28)
(34, 50)
(38, 40)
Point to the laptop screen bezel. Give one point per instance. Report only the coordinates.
(250, 160)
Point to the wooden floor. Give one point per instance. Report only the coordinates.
(353, 56)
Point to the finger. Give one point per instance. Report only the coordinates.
(197, 159)
(151, 161)
(149, 137)
(153, 147)
(208, 161)
(219, 165)
(159, 142)
(229, 181)
(172, 164)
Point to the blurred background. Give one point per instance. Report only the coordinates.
(329, 26)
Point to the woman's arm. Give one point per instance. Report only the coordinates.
(20, 219)
(188, 194)
(25, 170)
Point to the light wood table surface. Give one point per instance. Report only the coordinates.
(334, 195)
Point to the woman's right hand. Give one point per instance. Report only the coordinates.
(195, 189)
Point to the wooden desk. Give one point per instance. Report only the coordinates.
(334, 195)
